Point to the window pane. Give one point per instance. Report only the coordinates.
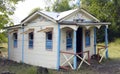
(31, 35)
(31, 40)
(49, 40)
(50, 36)
(15, 40)
(15, 35)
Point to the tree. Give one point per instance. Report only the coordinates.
(105, 10)
(7, 8)
(63, 5)
(35, 9)
(57, 5)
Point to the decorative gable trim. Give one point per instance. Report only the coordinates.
(90, 15)
(82, 10)
(59, 19)
(35, 14)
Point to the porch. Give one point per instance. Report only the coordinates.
(76, 52)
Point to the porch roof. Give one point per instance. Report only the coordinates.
(85, 23)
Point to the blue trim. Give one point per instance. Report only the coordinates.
(74, 47)
(23, 45)
(106, 40)
(95, 40)
(58, 49)
(8, 46)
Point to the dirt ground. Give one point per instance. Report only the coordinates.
(109, 66)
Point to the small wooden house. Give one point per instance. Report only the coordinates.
(53, 40)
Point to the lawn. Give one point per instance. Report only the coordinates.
(107, 66)
(114, 49)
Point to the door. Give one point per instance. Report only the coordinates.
(79, 40)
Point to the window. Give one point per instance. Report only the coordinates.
(69, 39)
(87, 38)
(49, 40)
(31, 37)
(15, 38)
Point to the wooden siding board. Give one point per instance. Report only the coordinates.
(91, 47)
(39, 52)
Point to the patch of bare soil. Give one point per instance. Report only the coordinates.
(107, 66)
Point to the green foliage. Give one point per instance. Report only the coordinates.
(7, 8)
(34, 10)
(63, 5)
(3, 37)
(105, 10)
(32, 70)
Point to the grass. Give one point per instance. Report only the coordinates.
(114, 49)
(3, 47)
(103, 68)
(16, 68)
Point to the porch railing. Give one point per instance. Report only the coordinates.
(68, 59)
(101, 50)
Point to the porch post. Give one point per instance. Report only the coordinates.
(23, 44)
(74, 47)
(106, 40)
(8, 46)
(95, 40)
(58, 47)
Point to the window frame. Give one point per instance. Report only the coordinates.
(30, 46)
(15, 40)
(71, 42)
(51, 46)
(87, 38)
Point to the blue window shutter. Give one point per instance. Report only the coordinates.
(31, 43)
(15, 43)
(69, 40)
(87, 41)
(87, 38)
(49, 42)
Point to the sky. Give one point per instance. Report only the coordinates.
(24, 8)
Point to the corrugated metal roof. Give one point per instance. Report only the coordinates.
(58, 15)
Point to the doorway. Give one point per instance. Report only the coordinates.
(79, 40)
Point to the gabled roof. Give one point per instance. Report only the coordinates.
(14, 26)
(56, 16)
